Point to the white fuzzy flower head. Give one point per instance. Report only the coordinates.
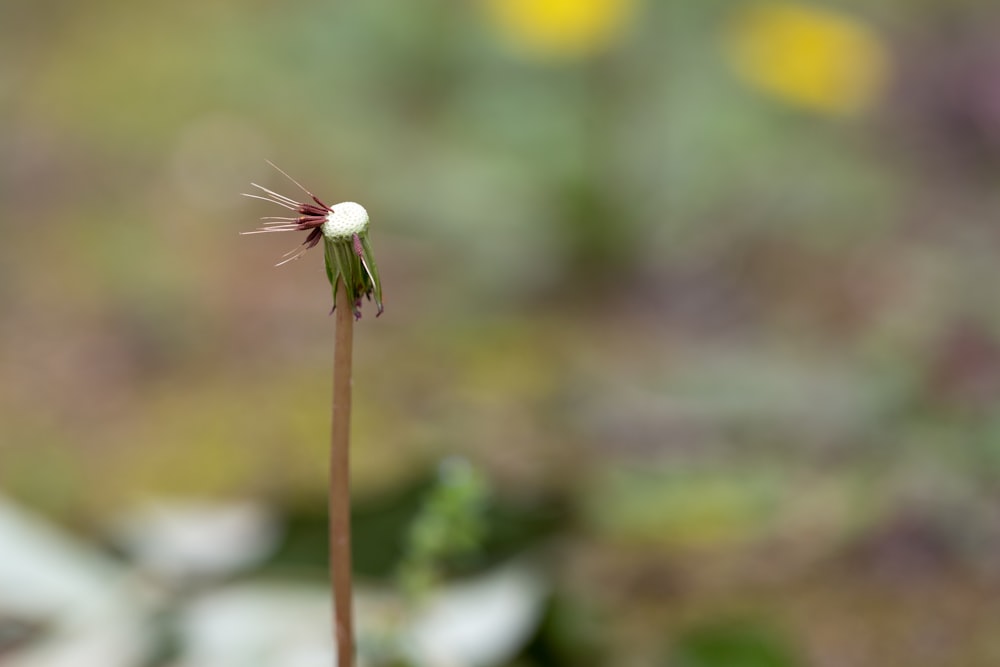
(342, 228)
(345, 220)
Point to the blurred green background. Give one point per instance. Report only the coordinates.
(704, 289)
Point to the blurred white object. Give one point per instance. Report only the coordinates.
(92, 612)
(277, 625)
(480, 623)
(477, 624)
(183, 540)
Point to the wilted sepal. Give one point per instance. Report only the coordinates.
(352, 261)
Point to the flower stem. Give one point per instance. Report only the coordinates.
(340, 482)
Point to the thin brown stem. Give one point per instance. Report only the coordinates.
(340, 483)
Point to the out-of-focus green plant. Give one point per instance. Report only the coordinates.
(731, 643)
(450, 527)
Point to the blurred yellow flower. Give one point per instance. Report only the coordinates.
(808, 56)
(562, 29)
